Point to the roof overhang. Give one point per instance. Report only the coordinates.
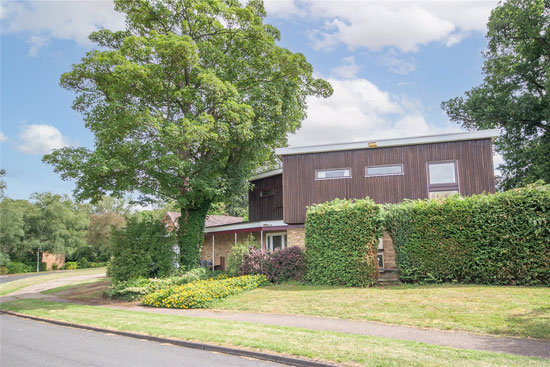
(270, 225)
(266, 174)
(381, 143)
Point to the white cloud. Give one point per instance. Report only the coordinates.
(397, 65)
(405, 25)
(39, 21)
(359, 110)
(40, 139)
(348, 69)
(3, 138)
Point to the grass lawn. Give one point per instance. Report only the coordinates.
(9, 287)
(518, 311)
(84, 285)
(348, 349)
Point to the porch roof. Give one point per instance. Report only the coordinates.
(268, 225)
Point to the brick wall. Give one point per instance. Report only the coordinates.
(296, 236)
(51, 259)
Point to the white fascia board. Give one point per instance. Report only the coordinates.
(274, 172)
(246, 225)
(373, 144)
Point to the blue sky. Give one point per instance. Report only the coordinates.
(391, 65)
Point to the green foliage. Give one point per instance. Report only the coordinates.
(135, 289)
(341, 238)
(55, 266)
(98, 264)
(514, 95)
(42, 266)
(237, 254)
(184, 104)
(485, 239)
(204, 293)
(70, 265)
(15, 267)
(83, 263)
(142, 250)
(13, 241)
(99, 235)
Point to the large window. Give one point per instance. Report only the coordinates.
(442, 179)
(275, 241)
(331, 174)
(386, 170)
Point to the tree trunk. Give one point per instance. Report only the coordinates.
(191, 235)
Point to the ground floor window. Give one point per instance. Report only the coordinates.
(275, 241)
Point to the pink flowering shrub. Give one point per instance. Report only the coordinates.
(279, 266)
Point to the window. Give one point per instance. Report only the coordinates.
(275, 241)
(442, 179)
(329, 174)
(389, 170)
(381, 261)
(268, 192)
(380, 243)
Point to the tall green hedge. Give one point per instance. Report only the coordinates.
(486, 239)
(341, 238)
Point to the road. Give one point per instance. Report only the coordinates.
(31, 343)
(11, 278)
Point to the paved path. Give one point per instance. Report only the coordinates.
(30, 343)
(463, 340)
(11, 278)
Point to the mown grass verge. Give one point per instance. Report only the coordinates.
(339, 348)
(500, 310)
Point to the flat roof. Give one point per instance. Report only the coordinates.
(380, 143)
(266, 174)
(244, 226)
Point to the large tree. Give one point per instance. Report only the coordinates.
(514, 95)
(184, 103)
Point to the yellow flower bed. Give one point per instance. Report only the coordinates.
(203, 293)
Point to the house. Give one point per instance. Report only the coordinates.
(387, 171)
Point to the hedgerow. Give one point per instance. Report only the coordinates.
(340, 242)
(203, 293)
(485, 239)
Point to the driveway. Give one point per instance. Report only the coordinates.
(30, 343)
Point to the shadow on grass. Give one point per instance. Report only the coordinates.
(535, 324)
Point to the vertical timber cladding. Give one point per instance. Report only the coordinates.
(265, 200)
(475, 174)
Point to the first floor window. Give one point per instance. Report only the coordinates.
(442, 179)
(276, 241)
(330, 174)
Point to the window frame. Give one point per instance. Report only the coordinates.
(270, 192)
(451, 186)
(269, 243)
(332, 169)
(385, 174)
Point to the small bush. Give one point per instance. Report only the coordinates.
(3, 270)
(83, 263)
(98, 264)
(237, 253)
(340, 242)
(203, 293)
(279, 266)
(55, 266)
(17, 267)
(70, 265)
(42, 266)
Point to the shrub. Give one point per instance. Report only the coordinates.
(279, 266)
(98, 264)
(341, 238)
(237, 253)
(70, 265)
(42, 266)
(15, 267)
(203, 293)
(3, 270)
(55, 266)
(141, 250)
(502, 238)
(135, 289)
(83, 263)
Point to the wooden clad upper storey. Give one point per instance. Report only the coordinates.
(387, 171)
(265, 200)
